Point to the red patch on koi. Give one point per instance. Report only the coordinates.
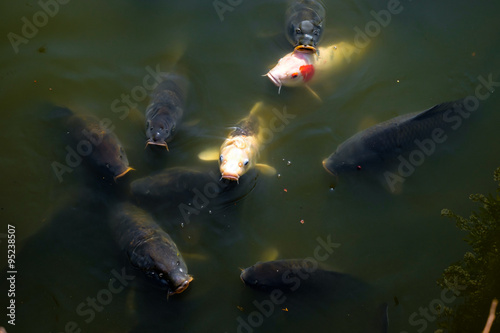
(307, 72)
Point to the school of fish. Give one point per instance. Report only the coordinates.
(147, 245)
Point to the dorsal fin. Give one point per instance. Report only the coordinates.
(439, 108)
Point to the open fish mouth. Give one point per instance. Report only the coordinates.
(306, 48)
(182, 287)
(231, 177)
(334, 174)
(123, 173)
(328, 170)
(164, 144)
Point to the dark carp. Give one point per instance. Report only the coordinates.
(292, 274)
(305, 23)
(98, 145)
(166, 110)
(388, 142)
(170, 187)
(321, 294)
(149, 248)
(179, 185)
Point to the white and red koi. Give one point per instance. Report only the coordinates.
(304, 66)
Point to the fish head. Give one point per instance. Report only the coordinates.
(294, 69)
(170, 273)
(265, 275)
(160, 131)
(349, 159)
(306, 33)
(111, 157)
(235, 157)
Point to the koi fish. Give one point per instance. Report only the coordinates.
(240, 151)
(294, 69)
(302, 66)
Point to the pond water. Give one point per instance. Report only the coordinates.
(88, 55)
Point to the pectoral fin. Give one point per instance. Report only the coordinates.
(211, 154)
(266, 169)
(314, 93)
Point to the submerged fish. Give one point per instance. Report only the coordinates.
(305, 23)
(149, 248)
(320, 294)
(384, 143)
(188, 190)
(98, 145)
(170, 187)
(165, 112)
(292, 274)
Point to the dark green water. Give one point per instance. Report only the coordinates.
(90, 53)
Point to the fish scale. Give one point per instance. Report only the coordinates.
(248, 126)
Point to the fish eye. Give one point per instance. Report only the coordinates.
(294, 75)
(221, 158)
(246, 162)
(297, 30)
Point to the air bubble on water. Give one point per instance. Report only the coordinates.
(189, 204)
(202, 206)
(210, 212)
(279, 175)
(288, 163)
(182, 224)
